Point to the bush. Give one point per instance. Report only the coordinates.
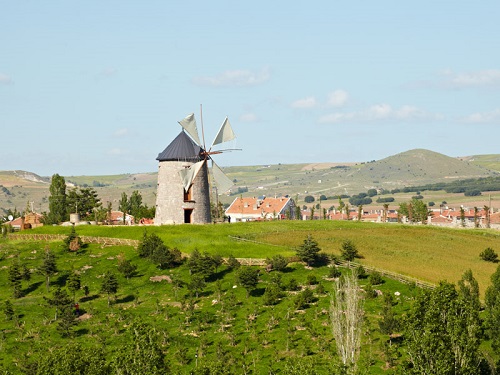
(232, 263)
(360, 271)
(308, 199)
(271, 295)
(375, 278)
(278, 262)
(334, 272)
(472, 193)
(349, 250)
(293, 285)
(303, 299)
(312, 280)
(489, 255)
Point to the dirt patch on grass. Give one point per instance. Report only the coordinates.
(157, 279)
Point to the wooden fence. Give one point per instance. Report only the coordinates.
(105, 241)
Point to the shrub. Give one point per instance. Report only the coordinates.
(233, 263)
(303, 299)
(278, 262)
(360, 271)
(312, 280)
(349, 250)
(489, 255)
(375, 278)
(308, 199)
(334, 272)
(271, 295)
(293, 285)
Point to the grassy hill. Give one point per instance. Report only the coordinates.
(414, 167)
(223, 324)
(416, 251)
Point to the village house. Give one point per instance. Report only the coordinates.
(28, 221)
(261, 208)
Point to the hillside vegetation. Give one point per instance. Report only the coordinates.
(176, 320)
(427, 253)
(411, 168)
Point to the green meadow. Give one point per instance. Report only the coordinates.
(428, 253)
(222, 325)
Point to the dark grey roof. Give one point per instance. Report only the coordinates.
(182, 148)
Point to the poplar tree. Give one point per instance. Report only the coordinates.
(492, 299)
(57, 201)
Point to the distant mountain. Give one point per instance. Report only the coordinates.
(411, 168)
(18, 177)
(420, 166)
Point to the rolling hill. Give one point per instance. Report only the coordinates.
(414, 167)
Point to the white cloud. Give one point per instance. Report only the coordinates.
(481, 78)
(309, 102)
(451, 80)
(121, 132)
(483, 117)
(380, 112)
(231, 78)
(5, 79)
(248, 117)
(337, 98)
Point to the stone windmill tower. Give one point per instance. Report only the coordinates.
(183, 190)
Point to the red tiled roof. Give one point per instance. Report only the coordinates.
(257, 207)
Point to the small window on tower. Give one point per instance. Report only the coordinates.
(188, 195)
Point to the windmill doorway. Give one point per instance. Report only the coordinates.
(188, 214)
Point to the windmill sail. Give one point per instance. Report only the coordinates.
(189, 174)
(222, 181)
(189, 125)
(225, 133)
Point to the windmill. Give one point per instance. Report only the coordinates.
(183, 190)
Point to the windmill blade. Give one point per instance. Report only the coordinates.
(225, 133)
(222, 181)
(189, 174)
(189, 125)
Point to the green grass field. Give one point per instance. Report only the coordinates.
(428, 253)
(222, 324)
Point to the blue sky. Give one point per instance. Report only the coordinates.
(97, 87)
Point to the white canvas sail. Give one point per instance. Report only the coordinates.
(189, 125)
(223, 182)
(225, 133)
(189, 174)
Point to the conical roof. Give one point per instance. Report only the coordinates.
(182, 148)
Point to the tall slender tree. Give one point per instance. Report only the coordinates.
(492, 299)
(57, 201)
(49, 266)
(346, 317)
(124, 206)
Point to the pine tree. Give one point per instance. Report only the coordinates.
(49, 266)
(109, 285)
(8, 310)
(15, 277)
(126, 267)
(308, 251)
(74, 283)
(60, 300)
(66, 322)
